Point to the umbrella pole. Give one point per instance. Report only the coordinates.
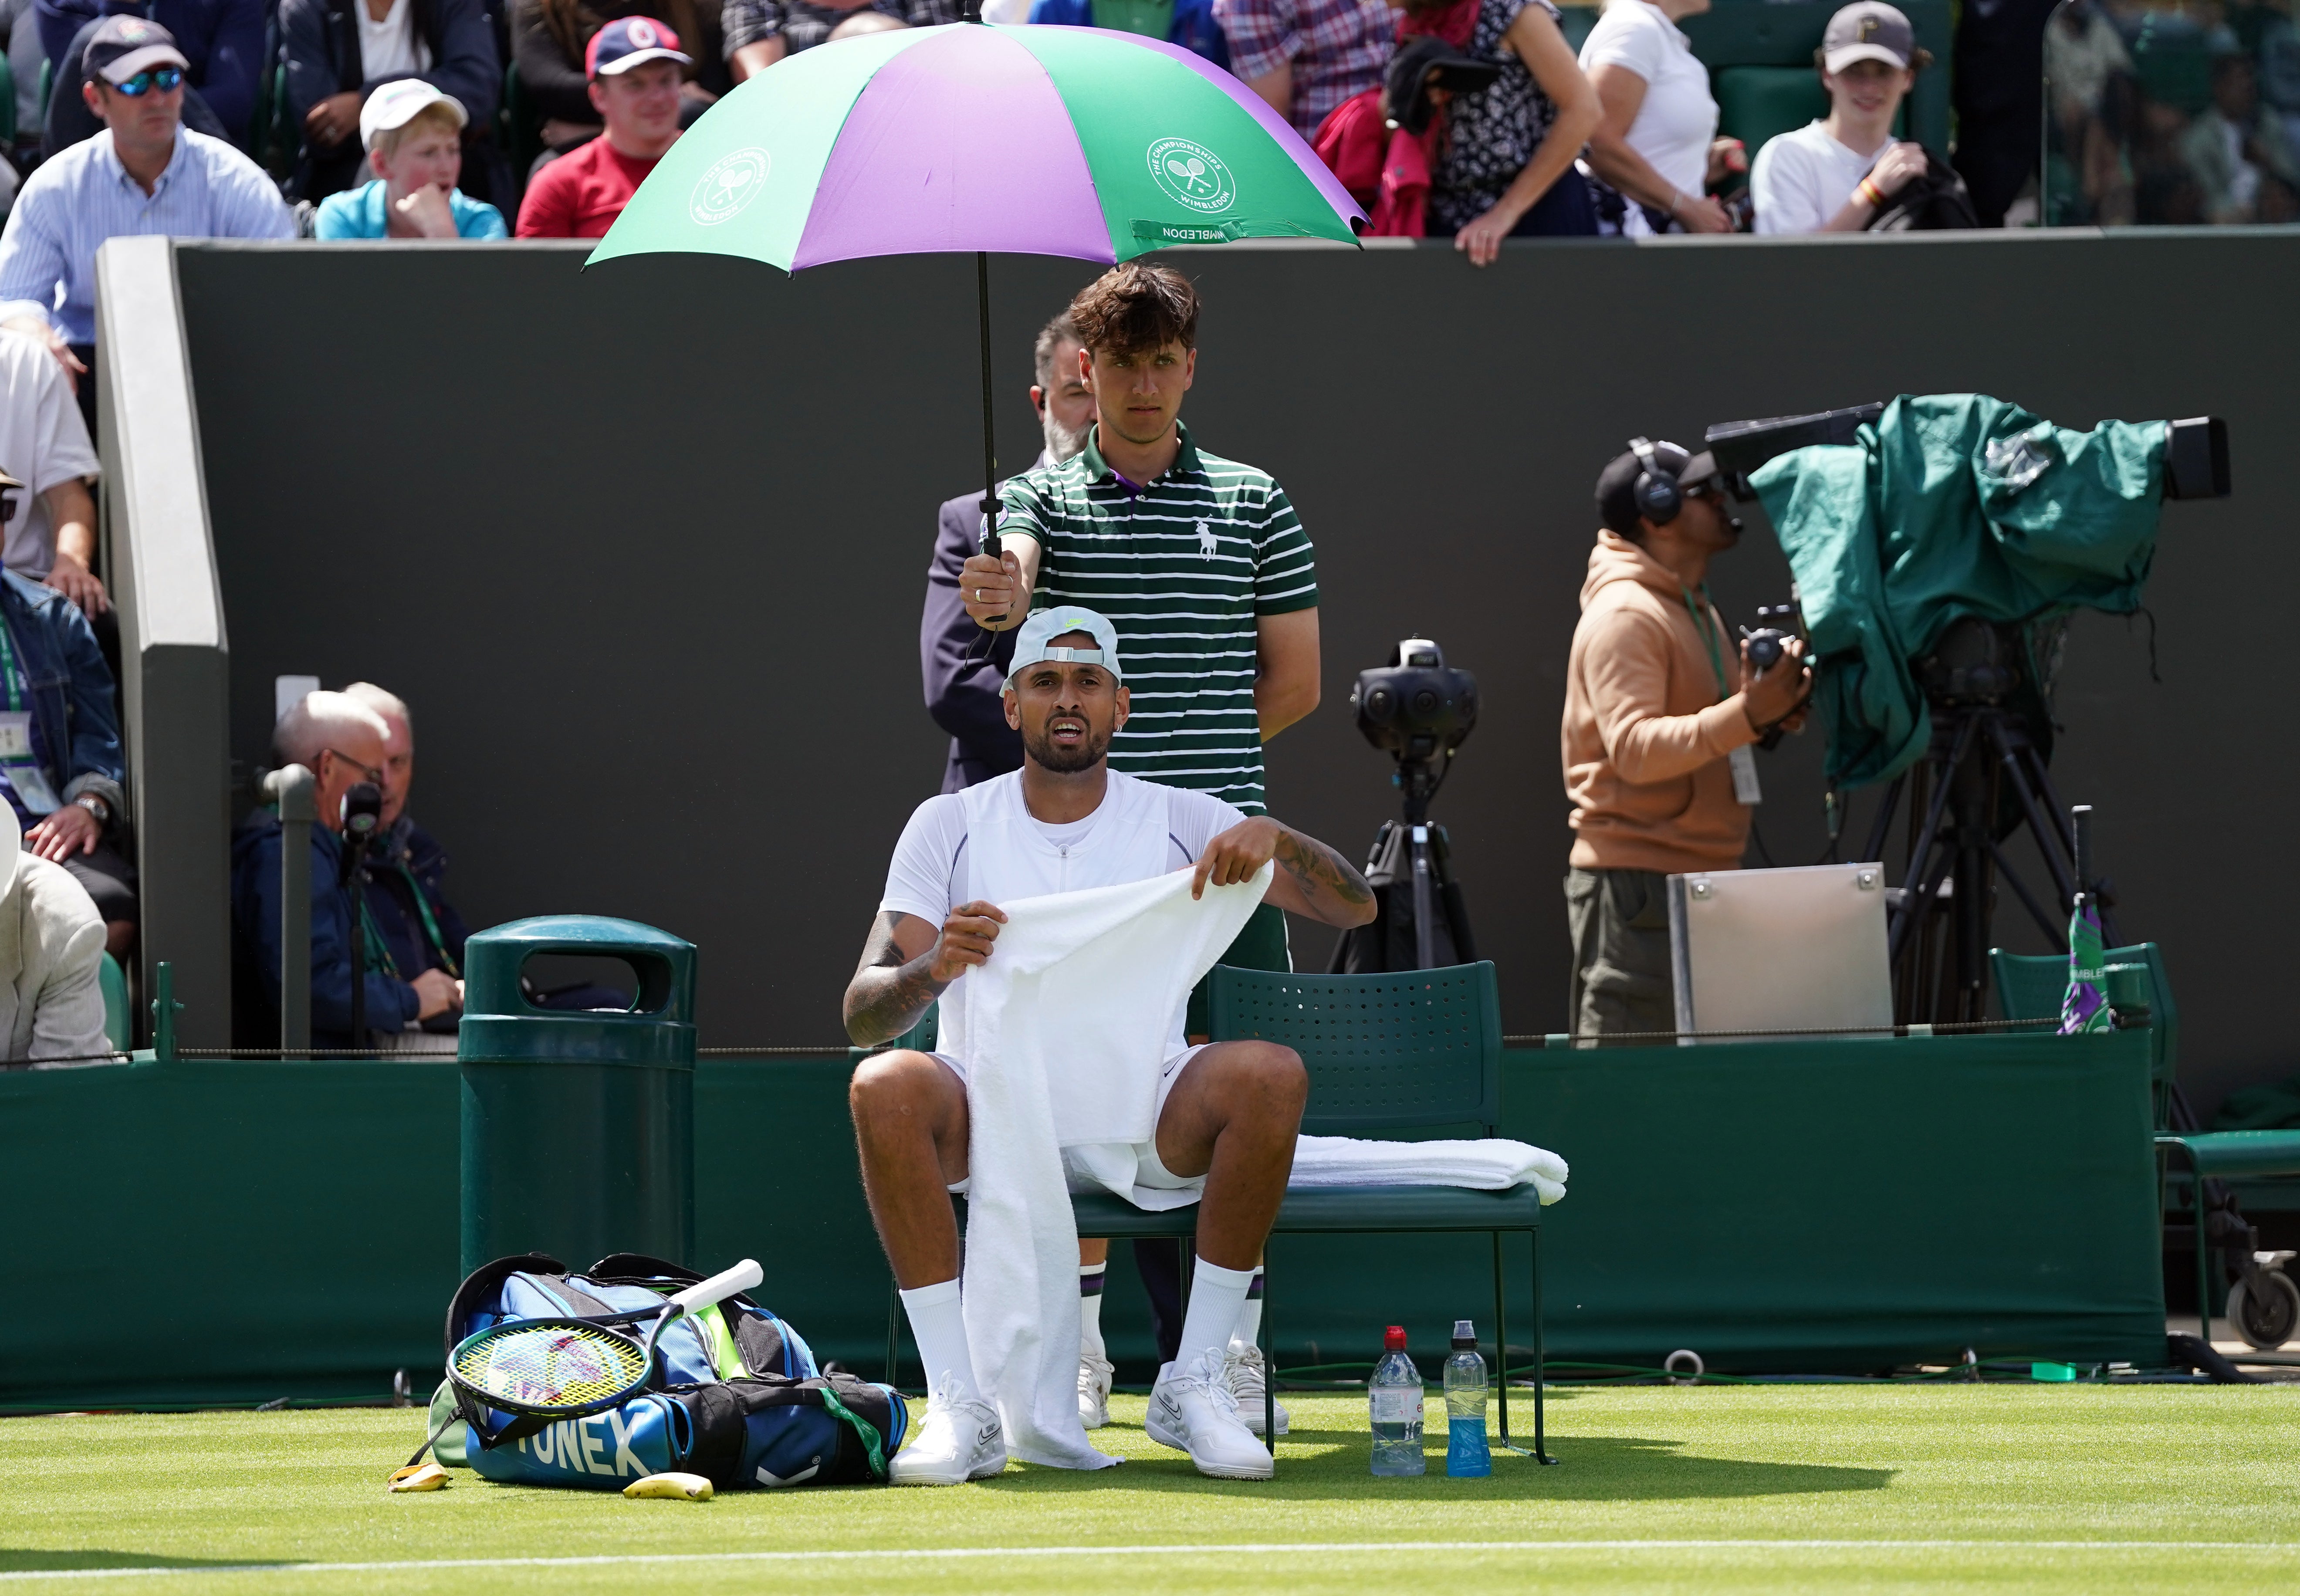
(989, 448)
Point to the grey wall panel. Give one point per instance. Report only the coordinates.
(644, 546)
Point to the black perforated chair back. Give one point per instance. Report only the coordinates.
(1386, 1052)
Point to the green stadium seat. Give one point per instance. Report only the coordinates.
(1758, 103)
(48, 82)
(1403, 1052)
(7, 103)
(119, 1024)
(2030, 986)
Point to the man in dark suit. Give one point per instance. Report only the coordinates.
(963, 667)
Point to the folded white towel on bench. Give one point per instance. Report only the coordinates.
(1494, 1165)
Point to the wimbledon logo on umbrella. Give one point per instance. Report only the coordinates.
(732, 182)
(1192, 175)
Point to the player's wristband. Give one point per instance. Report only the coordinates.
(1872, 192)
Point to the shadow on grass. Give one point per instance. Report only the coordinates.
(28, 1561)
(1591, 1469)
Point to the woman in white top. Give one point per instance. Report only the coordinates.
(1657, 143)
(1835, 175)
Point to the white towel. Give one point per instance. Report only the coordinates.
(1068, 1025)
(1495, 1165)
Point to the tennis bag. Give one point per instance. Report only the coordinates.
(738, 1396)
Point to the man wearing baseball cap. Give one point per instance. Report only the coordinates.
(634, 64)
(1660, 717)
(414, 139)
(1066, 822)
(144, 174)
(1835, 175)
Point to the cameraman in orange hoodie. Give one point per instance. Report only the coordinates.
(1657, 739)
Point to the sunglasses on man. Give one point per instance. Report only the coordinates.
(165, 78)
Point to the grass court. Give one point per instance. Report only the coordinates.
(1771, 1488)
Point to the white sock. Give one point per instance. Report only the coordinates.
(1249, 1316)
(938, 1325)
(1090, 1310)
(1216, 1296)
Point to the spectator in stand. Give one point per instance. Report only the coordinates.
(1307, 56)
(26, 57)
(1835, 175)
(965, 681)
(1190, 23)
(51, 962)
(1997, 76)
(69, 120)
(759, 33)
(222, 41)
(865, 21)
(340, 52)
(552, 42)
(341, 741)
(144, 174)
(1506, 169)
(60, 761)
(2244, 162)
(635, 65)
(1656, 145)
(407, 904)
(414, 139)
(44, 443)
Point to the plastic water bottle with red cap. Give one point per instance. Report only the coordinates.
(1393, 1396)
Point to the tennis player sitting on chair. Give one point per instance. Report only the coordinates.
(1228, 1112)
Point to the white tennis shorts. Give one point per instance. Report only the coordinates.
(1147, 1170)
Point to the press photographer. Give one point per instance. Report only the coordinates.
(1657, 739)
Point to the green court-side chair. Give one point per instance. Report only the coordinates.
(2030, 986)
(118, 1027)
(1403, 1052)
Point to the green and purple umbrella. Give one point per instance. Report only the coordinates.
(981, 139)
(976, 139)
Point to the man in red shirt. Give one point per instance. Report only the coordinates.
(635, 65)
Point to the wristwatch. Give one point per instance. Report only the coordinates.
(95, 806)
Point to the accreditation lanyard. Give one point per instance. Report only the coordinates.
(1706, 626)
(1742, 759)
(16, 761)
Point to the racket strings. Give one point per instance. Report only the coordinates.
(551, 1366)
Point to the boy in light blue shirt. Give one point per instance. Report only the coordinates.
(414, 139)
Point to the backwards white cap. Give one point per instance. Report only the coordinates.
(1035, 641)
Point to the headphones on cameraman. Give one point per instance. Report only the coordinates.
(1656, 492)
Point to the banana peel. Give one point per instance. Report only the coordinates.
(417, 1476)
(672, 1487)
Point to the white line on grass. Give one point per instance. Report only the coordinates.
(1250, 1549)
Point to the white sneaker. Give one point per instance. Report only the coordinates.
(1094, 1372)
(958, 1441)
(1244, 1373)
(1193, 1411)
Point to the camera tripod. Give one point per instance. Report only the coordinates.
(1982, 779)
(1420, 920)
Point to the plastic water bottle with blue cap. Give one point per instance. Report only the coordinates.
(1466, 1453)
(1394, 1395)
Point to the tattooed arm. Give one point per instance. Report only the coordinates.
(906, 964)
(1311, 879)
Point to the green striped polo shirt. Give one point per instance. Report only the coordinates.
(1183, 566)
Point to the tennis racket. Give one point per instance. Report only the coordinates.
(567, 1367)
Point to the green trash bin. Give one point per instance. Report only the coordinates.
(577, 1126)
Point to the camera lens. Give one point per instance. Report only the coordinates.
(1425, 703)
(1380, 704)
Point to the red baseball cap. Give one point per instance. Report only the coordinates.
(626, 42)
